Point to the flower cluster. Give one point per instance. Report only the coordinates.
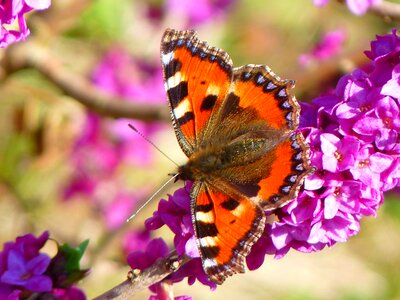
(329, 45)
(154, 250)
(191, 14)
(25, 271)
(13, 10)
(105, 145)
(353, 135)
(355, 146)
(357, 7)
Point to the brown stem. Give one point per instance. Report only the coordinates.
(140, 280)
(31, 55)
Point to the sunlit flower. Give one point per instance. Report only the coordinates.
(357, 7)
(329, 45)
(12, 11)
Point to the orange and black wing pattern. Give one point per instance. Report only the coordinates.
(226, 226)
(197, 78)
(238, 127)
(258, 92)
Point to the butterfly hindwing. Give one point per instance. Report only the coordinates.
(197, 78)
(258, 88)
(268, 115)
(226, 227)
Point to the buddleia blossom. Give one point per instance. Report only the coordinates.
(357, 7)
(355, 147)
(328, 46)
(105, 145)
(139, 259)
(189, 13)
(11, 13)
(354, 141)
(25, 271)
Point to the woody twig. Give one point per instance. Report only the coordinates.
(32, 55)
(139, 280)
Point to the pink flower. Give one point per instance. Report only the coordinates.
(330, 45)
(12, 10)
(357, 7)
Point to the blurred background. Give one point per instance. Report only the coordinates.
(70, 164)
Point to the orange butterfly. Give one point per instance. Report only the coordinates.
(237, 127)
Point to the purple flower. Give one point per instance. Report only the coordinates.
(369, 165)
(94, 159)
(175, 213)
(71, 293)
(330, 45)
(23, 267)
(12, 10)
(24, 270)
(383, 124)
(27, 273)
(138, 81)
(338, 154)
(357, 7)
(135, 240)
(199, 12)
(116, 212)
(354, 144)
(141, 260)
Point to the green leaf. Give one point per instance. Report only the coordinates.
(73, 255)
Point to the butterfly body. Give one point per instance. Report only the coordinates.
(237, 126)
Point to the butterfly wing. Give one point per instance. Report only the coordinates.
(244, 120)
(197, 78)
(226, 226)
(261, 103)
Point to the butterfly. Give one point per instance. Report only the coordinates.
(237, 126)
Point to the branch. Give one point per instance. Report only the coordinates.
(139, 280)
(388, 10)
(30, 54)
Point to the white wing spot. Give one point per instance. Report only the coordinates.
(271, 86)
(212, 90)
(209, 263)
(206, 217)
(167, 57)
(282, 93)
(182, 108)
(207, 241)
(173, 81)
(238, 211)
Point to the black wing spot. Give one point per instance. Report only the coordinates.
(208, 102)
(210, 251)
(205, 207)
(177, 93)
(187, 117)
(230, 204)
(172, 68)
(206, 229)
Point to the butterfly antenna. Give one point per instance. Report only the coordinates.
(151, 143)
(151, 197)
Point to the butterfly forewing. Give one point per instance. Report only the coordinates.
(197, 78)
